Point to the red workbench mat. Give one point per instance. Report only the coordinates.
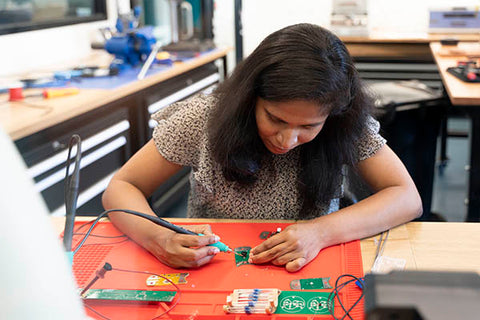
(204, 294)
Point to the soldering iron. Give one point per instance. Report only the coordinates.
(164, 223)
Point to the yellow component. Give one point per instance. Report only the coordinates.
(162, 55)
(177, 278)
(54, 93)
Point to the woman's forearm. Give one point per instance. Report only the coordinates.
(383, 210)
(123, 195)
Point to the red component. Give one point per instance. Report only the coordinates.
(471, 76)
(16, 94)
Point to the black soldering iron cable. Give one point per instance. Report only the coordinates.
(71, 191)
(156, 220)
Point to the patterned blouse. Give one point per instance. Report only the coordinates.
(181, 137)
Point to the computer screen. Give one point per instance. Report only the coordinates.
(26, 15)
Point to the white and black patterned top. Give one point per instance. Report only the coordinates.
(181, 137)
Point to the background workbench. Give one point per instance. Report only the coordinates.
(113, 124)
(465, 96)
(398, 46)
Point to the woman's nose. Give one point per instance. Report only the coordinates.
(288, 138)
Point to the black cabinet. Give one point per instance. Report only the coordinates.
(106, 144)
(110, 134)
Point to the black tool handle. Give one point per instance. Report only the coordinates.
(166, 224)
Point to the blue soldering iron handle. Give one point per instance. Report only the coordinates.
(220, 245)
(164, 223)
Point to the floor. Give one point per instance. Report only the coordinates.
(450, 186)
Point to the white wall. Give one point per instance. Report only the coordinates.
(410, 15)
(224, 28)
(27, 51)
(262, 17)
(34, 50)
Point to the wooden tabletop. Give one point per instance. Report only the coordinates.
(20, 119)
(434, 246)
(459, 92)
(439, 246)
(412, 37)
(398, 45)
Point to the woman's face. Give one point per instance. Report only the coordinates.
(285, 125)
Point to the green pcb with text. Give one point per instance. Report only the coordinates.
(303, 302)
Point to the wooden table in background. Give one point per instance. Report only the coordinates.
(398, 45)
(466, 96)
(22, 119)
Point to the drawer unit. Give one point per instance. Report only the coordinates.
(110, 135)
(105, 148)
(201, 79)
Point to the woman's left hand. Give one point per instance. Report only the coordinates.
(294, 247)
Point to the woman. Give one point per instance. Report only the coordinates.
(271, 143)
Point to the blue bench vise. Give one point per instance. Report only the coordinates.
(130, 48)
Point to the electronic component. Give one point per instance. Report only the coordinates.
(100, 274)
(252, 301)
(130, 295)
(177, 278)
(241, 255)
(304, 302)
(468, 71)
(310, 284)
(267, 234)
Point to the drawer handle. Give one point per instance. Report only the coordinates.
(57, 145)
(185, 92)
(87, 144)
(87, 160)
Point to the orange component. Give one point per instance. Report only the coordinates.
(54, 93)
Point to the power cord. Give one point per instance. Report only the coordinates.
(155, 220)
(358, 281)
(336, 294)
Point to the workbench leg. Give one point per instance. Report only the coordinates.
(473, 212)
(225, 69)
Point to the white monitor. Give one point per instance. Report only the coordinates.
(35, 277)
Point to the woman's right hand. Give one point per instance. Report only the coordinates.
(183, 250)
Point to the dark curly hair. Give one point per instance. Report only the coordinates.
(299, 62)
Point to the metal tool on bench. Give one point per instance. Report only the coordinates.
(130, 44)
